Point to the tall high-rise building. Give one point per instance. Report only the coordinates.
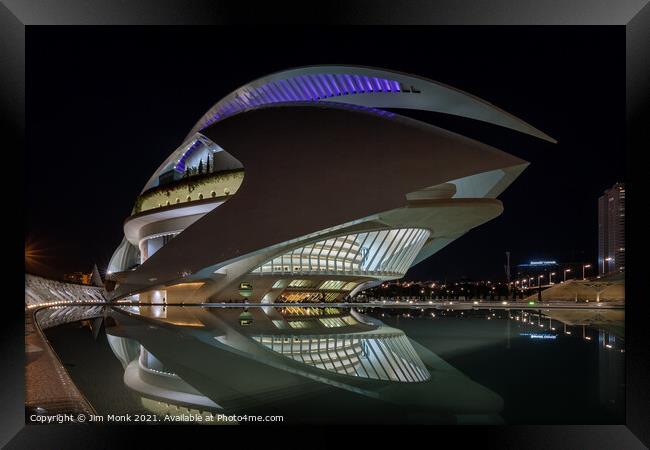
(611, 230)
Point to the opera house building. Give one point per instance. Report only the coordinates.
(308, 185)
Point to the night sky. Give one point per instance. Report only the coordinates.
(105, 106)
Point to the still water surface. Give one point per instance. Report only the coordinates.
(352, 365)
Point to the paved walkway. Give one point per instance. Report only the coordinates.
(47, 383)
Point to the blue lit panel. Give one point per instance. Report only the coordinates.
(303, 88)
(180, 165)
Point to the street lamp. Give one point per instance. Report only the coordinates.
(585, 266)
(550, 278)
(565, 272)
(530, 282)
(539, 288)
(606, 259)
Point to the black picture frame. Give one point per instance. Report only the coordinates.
(16, 16)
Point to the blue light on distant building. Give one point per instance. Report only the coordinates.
(538, 264)
(539, 335)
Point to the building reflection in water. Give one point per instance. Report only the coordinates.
(607, 329)
(207, 360)
(604, 328)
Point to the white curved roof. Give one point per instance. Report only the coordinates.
(362, 86)
(365, 87)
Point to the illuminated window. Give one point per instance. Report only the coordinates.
(297, 296)
(300, 311)
(332, 322)
(349, 320)
(332, 284)
(301, 297)
(389, 252)
(279, 323)
(300, 324)
(302, 283)
(374, 356)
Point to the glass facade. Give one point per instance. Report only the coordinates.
(335, 322)
(302, 283)
(289, 296)
(299, 324)
(150, 245)
(382, 356)
(382, 252)
(333, 285)
(290, 311)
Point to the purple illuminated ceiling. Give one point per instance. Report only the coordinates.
(301, 88)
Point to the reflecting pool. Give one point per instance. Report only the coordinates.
(348, 365)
